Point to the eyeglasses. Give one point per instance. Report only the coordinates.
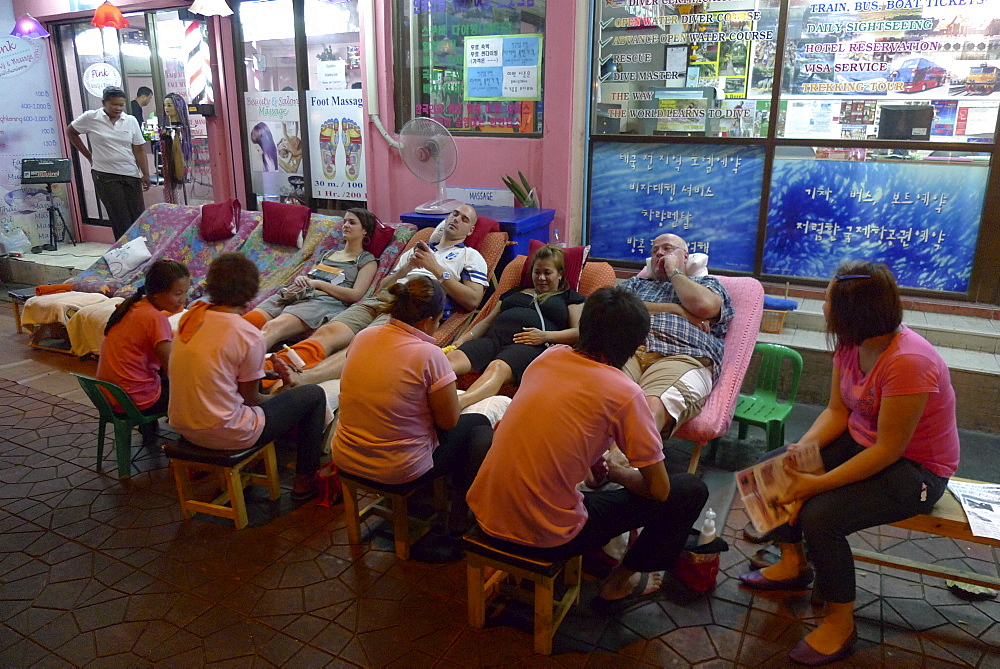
(845, 277)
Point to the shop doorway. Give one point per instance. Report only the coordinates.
(161, 62)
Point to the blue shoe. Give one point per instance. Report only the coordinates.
(805, 654)
(758, 581)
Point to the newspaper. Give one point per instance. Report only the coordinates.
(762, 485)
(981, 503)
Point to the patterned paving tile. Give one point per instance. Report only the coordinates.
(100, 572)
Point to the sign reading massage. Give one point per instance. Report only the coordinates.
(275, 143)
(336, 130)
(503, 67)
(28, 129)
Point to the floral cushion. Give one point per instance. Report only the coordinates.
(279, 264)
(190, 248)
(159, 224)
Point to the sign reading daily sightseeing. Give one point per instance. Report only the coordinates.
(336, 128)
(940, 55)
(28, 129)
(275, 143)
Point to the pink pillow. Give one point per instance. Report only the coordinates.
(381, 237)
(285, 224)
(484, 226)
(576, 257)
(219, 220)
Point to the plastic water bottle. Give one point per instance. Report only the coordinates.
(707, 528)
(555, 239)
(297, 360)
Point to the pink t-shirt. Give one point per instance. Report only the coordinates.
(386, 431)
(909, 366)
(127, 356)
(567, 412)
(205, 372)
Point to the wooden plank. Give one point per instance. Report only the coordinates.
(925, 568)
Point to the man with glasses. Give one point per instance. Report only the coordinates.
(682, 355)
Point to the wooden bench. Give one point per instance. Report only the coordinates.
(947, 519)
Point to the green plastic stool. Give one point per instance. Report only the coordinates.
(763, 409)
(123, 424)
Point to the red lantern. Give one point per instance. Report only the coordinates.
(109, 16)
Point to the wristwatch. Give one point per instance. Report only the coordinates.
(674, 273)
(445, 275)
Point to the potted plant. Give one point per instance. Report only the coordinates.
(524, 194)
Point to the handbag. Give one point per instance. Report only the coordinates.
(328, 481)
(293, 294)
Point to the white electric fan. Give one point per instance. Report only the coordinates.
(428, 150)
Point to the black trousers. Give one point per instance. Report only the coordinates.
(665, 524)
(297, 418)
(122, 196)
(902, 490)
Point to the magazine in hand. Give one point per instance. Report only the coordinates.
(762, 485)
(327, 273)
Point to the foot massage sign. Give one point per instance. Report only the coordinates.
(336, 124)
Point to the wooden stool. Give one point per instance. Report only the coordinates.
(228, 466)
(481, 552)
(398, 513)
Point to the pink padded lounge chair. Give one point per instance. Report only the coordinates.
(714, 420)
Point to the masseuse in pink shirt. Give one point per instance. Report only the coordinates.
(399, 413)
(889, 444)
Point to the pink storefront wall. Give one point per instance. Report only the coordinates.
(227, 179)
(552, 162)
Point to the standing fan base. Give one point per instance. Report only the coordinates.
(443, 206)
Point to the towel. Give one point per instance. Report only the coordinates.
(192, 320)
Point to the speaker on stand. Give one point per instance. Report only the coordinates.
(49, 171)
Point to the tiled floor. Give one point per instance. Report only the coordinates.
(100, 572)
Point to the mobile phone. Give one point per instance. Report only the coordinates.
(423, 246)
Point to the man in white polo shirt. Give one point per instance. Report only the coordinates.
(116, 156)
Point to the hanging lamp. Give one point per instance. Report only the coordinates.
(210, 8)
(109, 16)
(28, 27)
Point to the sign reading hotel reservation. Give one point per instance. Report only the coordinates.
(662, 66)
(337, 131)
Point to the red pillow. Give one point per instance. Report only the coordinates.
(285, 224)
(484, 226)
(219, 220)
(381, 237)
(576, 257)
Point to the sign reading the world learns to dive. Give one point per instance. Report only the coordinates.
(503, 67)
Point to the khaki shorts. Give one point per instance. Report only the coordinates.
(681, 382)
(360, 315)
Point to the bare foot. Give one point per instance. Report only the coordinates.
(289, 377)
(620, 584)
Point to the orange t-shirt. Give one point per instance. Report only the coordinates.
(566, 414)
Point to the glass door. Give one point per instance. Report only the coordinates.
(162, 62)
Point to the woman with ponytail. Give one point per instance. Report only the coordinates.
(137, 339)
(399, 413)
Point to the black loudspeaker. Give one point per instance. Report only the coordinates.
(905, 122)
